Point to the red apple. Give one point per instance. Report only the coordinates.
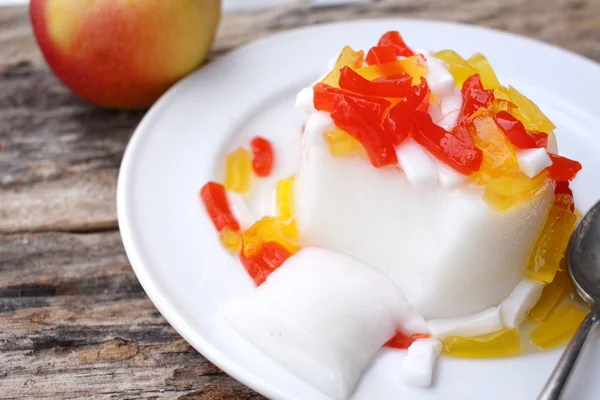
(124, 53)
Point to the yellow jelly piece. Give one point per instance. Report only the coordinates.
(348, 57)
(481, 64)
(231, 240)
(341, 144)
(502, 105)
(450, 57)
(508, 191)
(552, 294)
(457, 66)
(267, 229)
(238, 171)
(285, 206)
(559, 327)
(415, 66)
(530, 114)
(501, 93)
(505, 185)
(553, 240)
(506, 342)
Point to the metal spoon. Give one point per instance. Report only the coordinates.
(583, 259)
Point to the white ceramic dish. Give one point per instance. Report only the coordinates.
(179, 146)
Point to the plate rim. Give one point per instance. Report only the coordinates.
(135, 255)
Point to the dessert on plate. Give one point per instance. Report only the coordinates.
(429, 213)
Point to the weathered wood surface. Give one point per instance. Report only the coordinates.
(74, 322)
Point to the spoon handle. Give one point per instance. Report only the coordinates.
(560, 376)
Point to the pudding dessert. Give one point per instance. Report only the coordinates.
(429, 211)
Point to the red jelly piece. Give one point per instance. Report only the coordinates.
(361, 124)
(262, 156)
(517, 134)
(474, 97)
(389, 86)
(393, 39)
(448, 147)
(325, 97)
(402, 341)
(381, 55)
(562, 168)
(267, 260)
(399, 120)
(463, 134)
(215, 201)
(563, 188)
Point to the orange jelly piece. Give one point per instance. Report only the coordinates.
(553, 240)
(231, 240)
(415, 66)
(559, 327)
(506, 342)
(267, 229)
(525, 110)
(341, 144)
(505, 185)
(552, 294)
(481, 64)
(348, 58)
(284, 194)
(238, 171)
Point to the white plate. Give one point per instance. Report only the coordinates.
(178, 147)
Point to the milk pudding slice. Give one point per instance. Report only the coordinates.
(429, 211)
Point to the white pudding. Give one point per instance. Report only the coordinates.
(448, 250)
(323, 315)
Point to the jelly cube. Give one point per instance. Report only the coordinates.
(505, 185)
(415, 66)
(216, 203)
(501, 93)
(267, 229)
(506, 342)
(403, 342)
(263, 156)
(530, 114)
(502, 105)
(341, 144)
(231, 240)
(457, 66)
(348, 57)
(481, 64)
(552, 294)
(238, 171)
(285, 206)
(553, 240)
(261, 264)
(450, 57)
(559, 327)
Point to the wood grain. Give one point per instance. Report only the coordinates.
(74, 322)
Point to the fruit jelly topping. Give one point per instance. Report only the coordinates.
(559, 327)
(403, 342)
(262, 156)
(238, 171)
(214, 198)
(377, 106)
(505, 342)
(284, 194)
(553, 240)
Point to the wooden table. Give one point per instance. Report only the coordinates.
(74, 322)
